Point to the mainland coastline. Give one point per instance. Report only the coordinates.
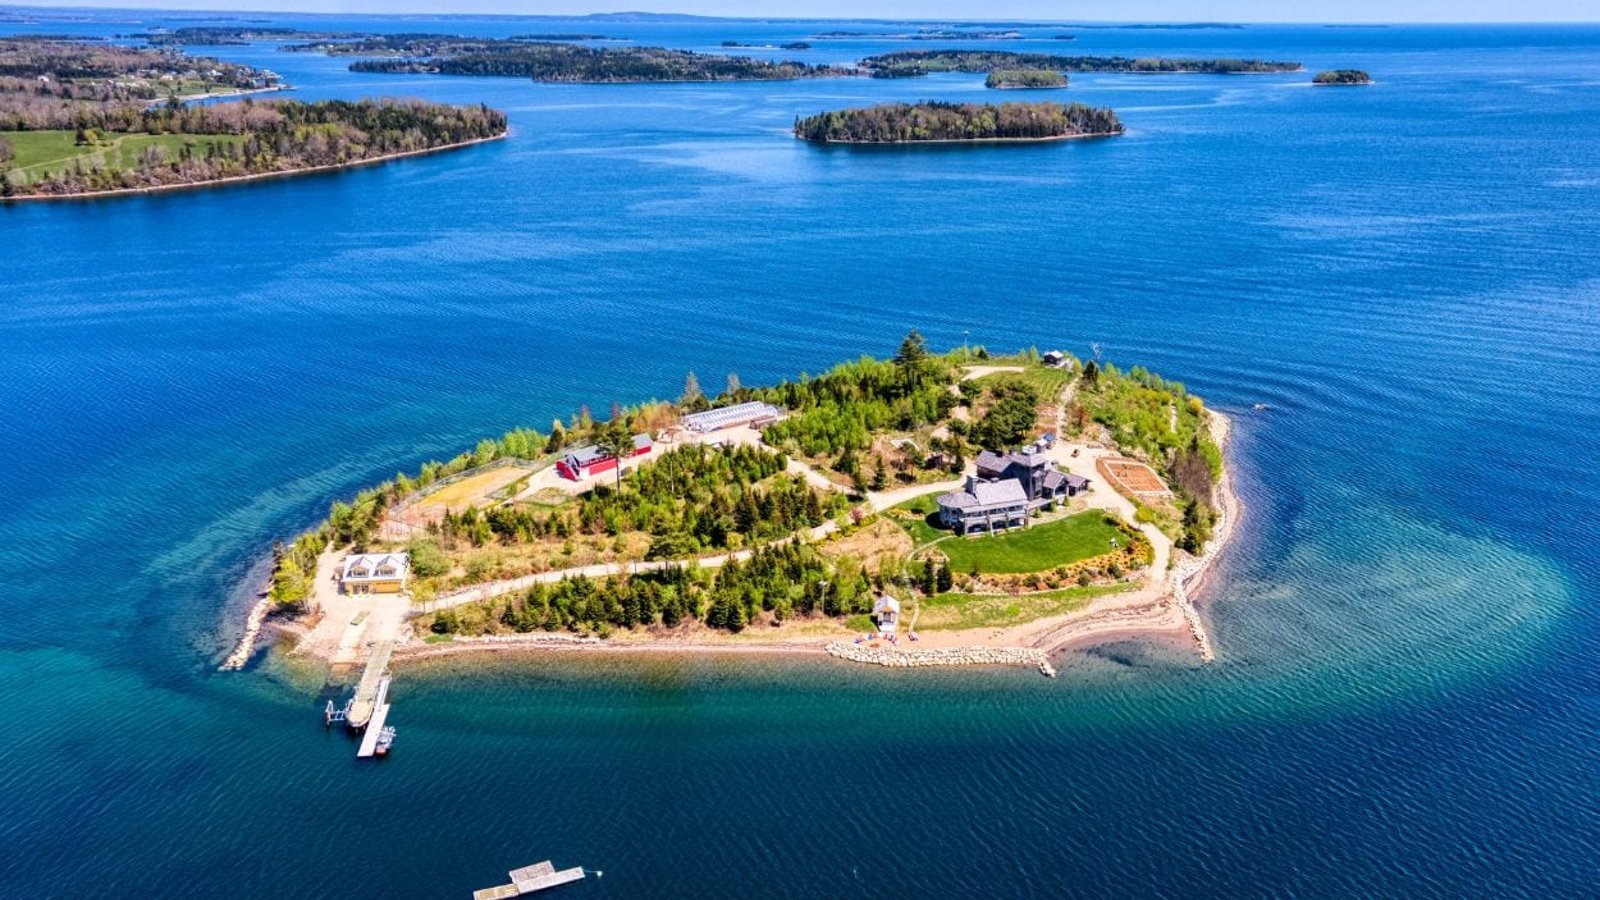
(1167, 561)
(81, 120)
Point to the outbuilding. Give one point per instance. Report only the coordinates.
(374, 573)
(592, 460)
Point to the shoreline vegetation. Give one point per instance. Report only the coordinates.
(560, 62)
(1342, 77)
(786, 538)
(918, 63)
(82, 121)
(933, 122)
(1023, 79)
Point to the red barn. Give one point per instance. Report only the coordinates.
(592, 460)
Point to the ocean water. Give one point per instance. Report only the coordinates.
(1407, 276)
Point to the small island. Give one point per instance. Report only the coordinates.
(1342, 77)
(94, 120)
(913, 63)
(952, 508)
(933, 122)
(559, 62)
(1024, 79)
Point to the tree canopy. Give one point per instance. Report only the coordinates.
(896, 123)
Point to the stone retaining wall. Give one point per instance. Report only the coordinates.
(960, 656)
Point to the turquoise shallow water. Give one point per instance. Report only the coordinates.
(1407, 275)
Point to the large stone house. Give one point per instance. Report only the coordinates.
(1007, 488)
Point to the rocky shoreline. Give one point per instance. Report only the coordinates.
(872, 654)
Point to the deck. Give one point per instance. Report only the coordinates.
(529, 879)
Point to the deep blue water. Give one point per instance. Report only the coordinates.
(1406, 702)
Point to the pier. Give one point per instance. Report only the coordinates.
(374, 679)
(369, 740)
(530, 879)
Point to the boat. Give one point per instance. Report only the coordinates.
(385, 740)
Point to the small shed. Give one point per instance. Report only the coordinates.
(887, 613)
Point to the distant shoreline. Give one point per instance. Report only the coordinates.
(257, 176)
(225, 95)
(1018, 140)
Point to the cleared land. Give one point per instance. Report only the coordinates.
(474, 491)
(39, 153)
(1033, 549)
(1133, 477)
(954, 612)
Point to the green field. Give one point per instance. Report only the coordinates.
(1047, 381)
(957, 611)
(38, 153)
(1032, 549)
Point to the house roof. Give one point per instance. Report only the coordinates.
(988, 460)
(1054, 479)
(886, 603)
(1077, 482)
(641, 442)
(986, 495)
(374, 561)
(584, 456)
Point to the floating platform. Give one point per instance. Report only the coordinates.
(530, 879)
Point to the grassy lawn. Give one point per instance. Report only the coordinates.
(922, 507)
(953, 612)
(1047, 381)
(42, 152)
(1033, 549)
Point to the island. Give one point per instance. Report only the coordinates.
(1019, 79)
(925, 509)
(93, 120)
(233, 36)
(559, 62)
(913, 63)
(1342, 77)
(936, 122)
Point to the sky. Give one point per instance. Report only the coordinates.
(1073, 10)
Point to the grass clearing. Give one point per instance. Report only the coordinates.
(1036, 548)
(39, 153)
(1048, 381)
(474, 491)
(954, 611)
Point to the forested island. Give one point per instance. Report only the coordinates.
(1342, 76)
(562, 63)
(908, 123)
(913, 63)
(89, 119)
(233, 36)
(798, 525)
(1010, 79)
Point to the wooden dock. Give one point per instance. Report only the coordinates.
(530, 879)
(376, 675)
(369, 740)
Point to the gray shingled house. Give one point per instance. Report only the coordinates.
(1006, 489)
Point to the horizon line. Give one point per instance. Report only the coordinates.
(198, 11)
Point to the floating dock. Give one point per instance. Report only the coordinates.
(369, 740)
(529, 879)
(376, 676)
